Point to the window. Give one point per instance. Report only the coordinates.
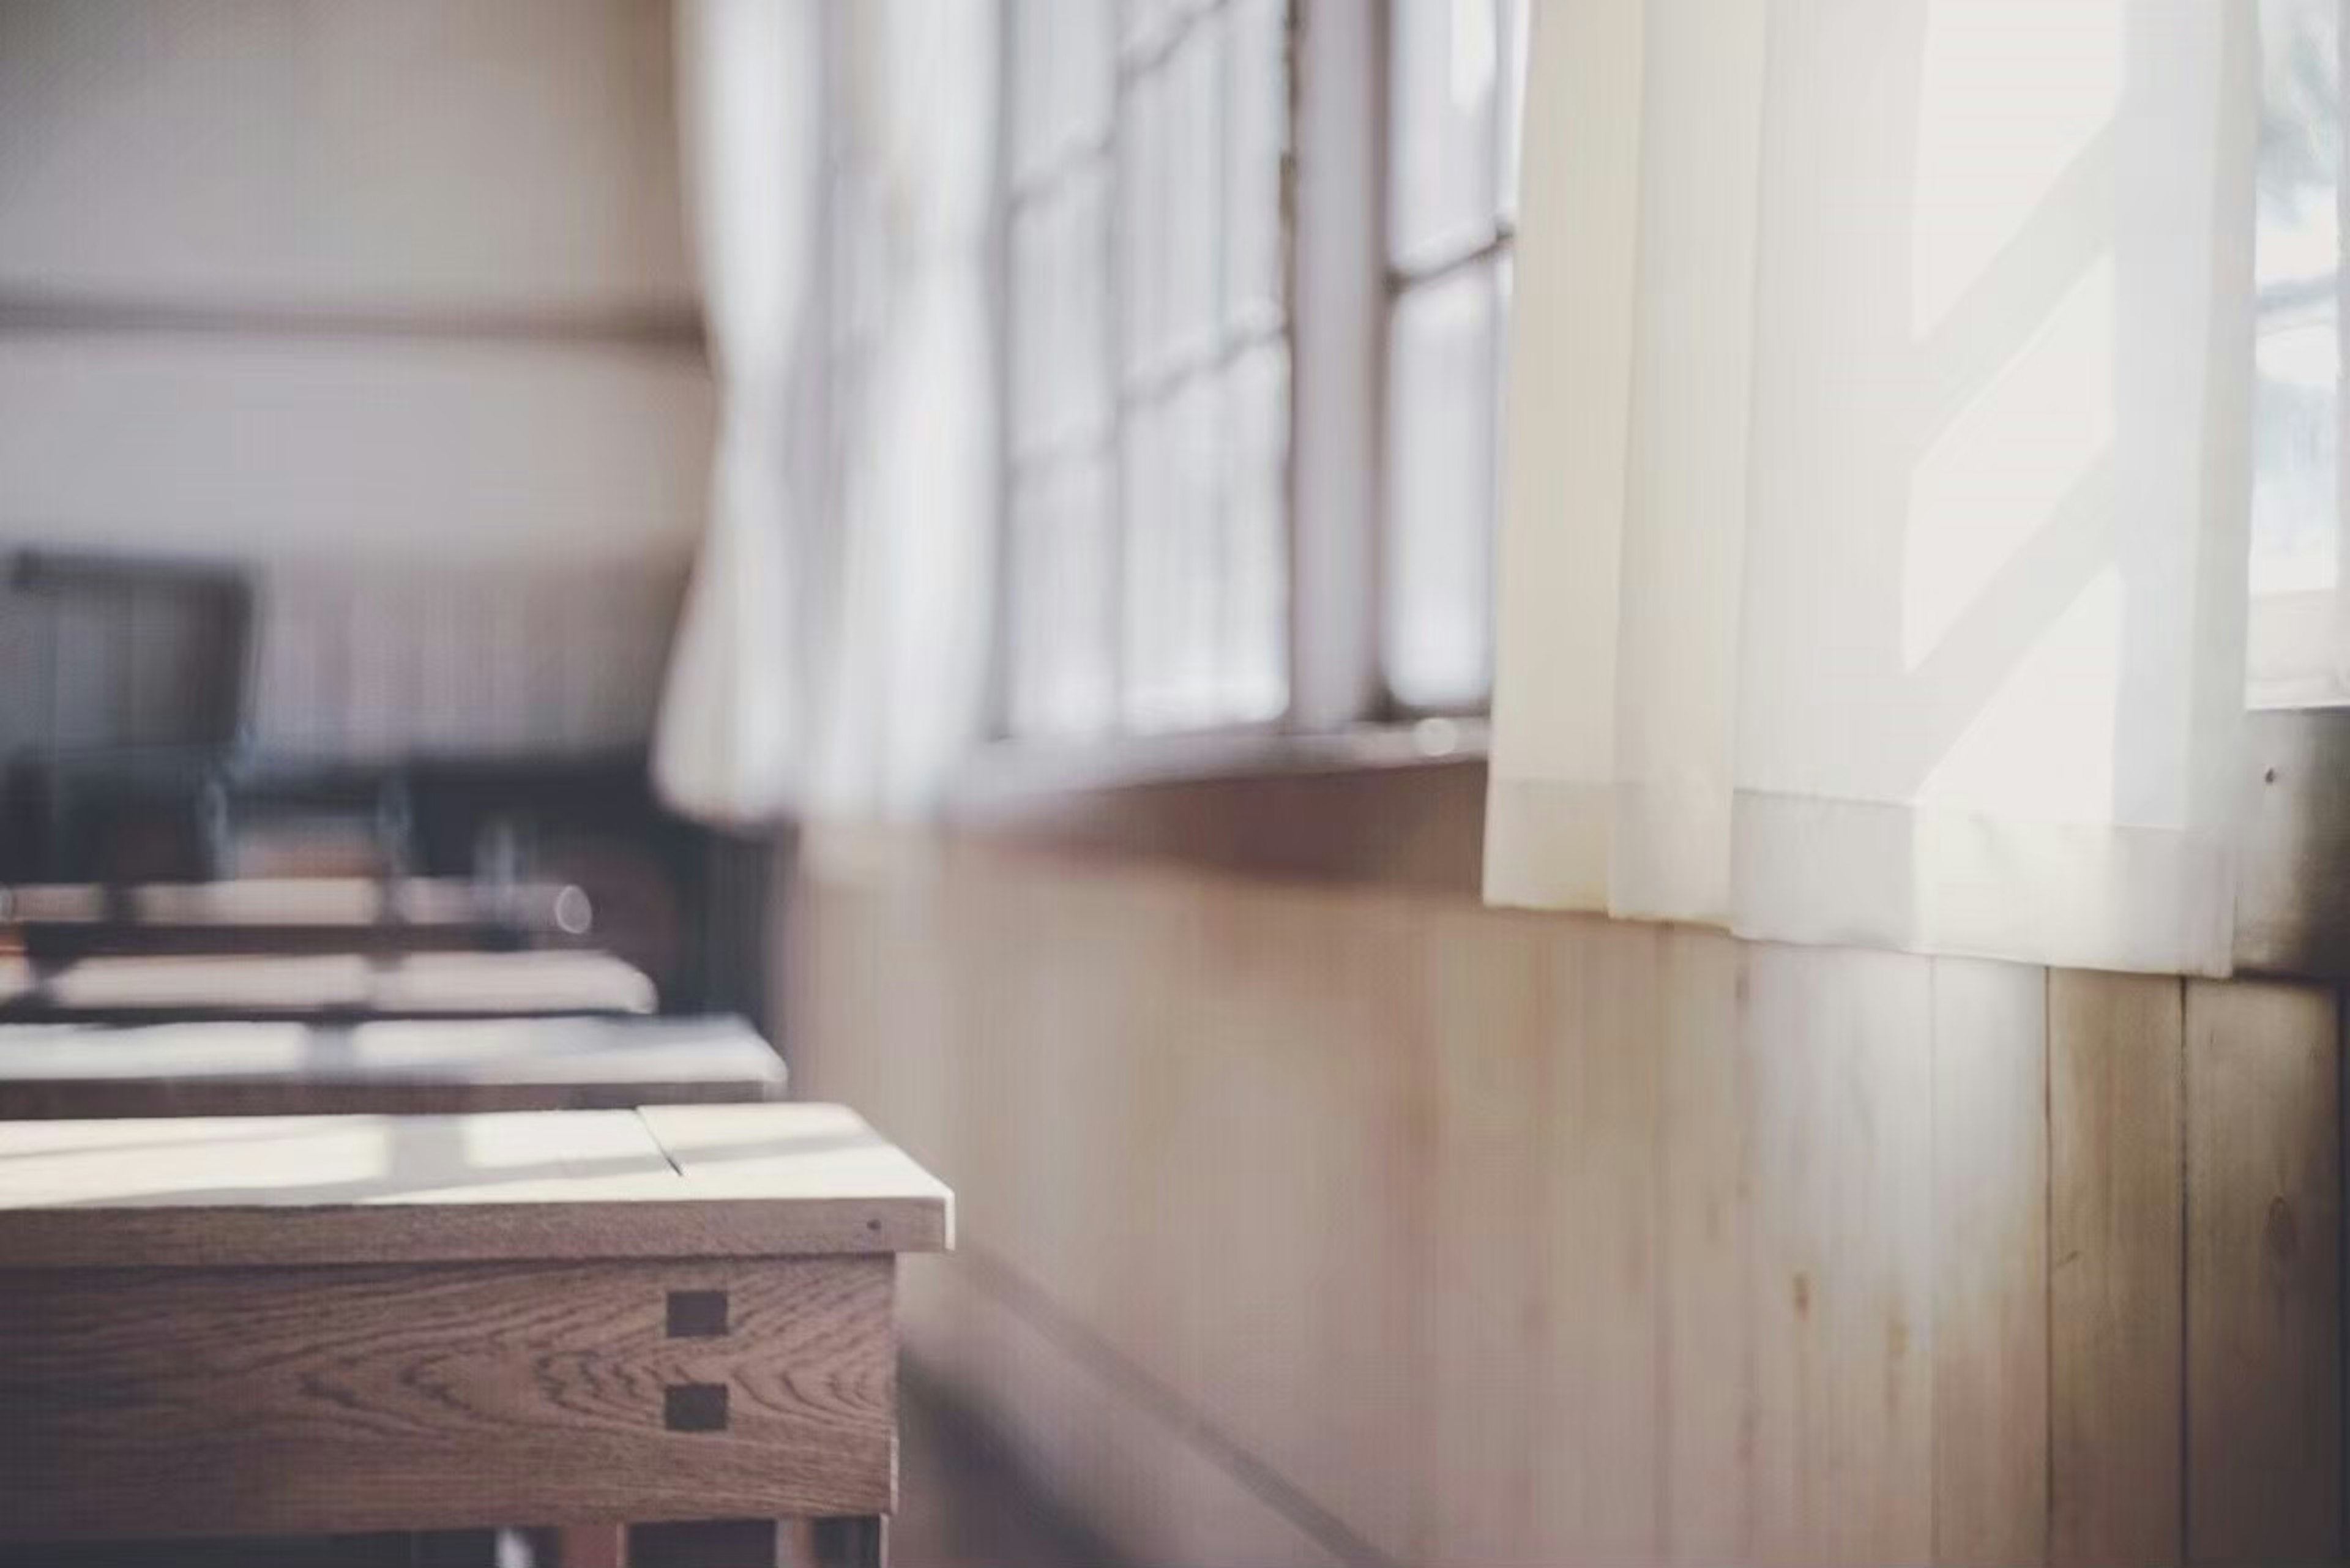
(1455, 77)
(2299, 638)
(1149, 193)
(1147, 432)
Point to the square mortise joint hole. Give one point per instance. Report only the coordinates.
(697, 1315)
(694, 1408)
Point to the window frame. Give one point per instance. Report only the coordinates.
(1492, 254)
(1340, 291)
(1156, 386)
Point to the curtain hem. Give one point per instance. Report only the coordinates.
(1913, 878)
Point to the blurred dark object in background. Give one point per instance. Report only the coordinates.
(127, 729)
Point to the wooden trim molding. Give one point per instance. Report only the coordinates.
(1369, 808)
(1375, 807)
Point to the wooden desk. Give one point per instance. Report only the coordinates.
(290, 915)
(412, 985)
(53, 1071)
(578, 1319)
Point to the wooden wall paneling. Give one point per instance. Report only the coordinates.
(1076, 1003)
(1599, 1426)
(1409, 1231)
(1840, 1169)
(1709, 1364)
(886, 941)
(1488, 1324)
(2263, 1273)
(1129, 1468)
(1185, 1114)
(1990, 1264)
(2116, 1248)
(828, 978)
(1294, 1103)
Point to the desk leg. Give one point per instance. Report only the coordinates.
(860, 1541)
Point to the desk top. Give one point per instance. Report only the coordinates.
(246, 985)
(469, 1051)
(338, 903)
(664, 1181)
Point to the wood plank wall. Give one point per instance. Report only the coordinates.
(1310, 1225)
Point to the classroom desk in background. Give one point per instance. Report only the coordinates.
(51, 1070)
(323, 986)
(286, 916)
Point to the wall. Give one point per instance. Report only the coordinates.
(390, 300)
(1308, 1225)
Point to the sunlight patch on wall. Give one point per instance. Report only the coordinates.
(2042, 748)
(2002, 470)
(1998, 126)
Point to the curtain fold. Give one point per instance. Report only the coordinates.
(1873, 561)
(831, 656)
(725, 743)
(905, 682)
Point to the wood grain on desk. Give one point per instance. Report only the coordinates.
(665, 1181)
(405, 1065)
(146, 1402)
(330, 1323)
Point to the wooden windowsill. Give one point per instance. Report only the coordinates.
(1400, 805)
(1372, 806)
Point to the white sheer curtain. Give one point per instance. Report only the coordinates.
(1874, 550)
(731, 718)
(915, 409)
(831, 656)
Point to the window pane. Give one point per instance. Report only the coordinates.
(1059, 607)
(1062, 71)
(1174, 482)
(1146, 24)
(1445, 63)
(1193, 221)
(1142, 225)
(1085, 73)
(1146, 297)
(1155, 579)
(1256, 135)
(1059, 263)
(2298, 247)
(1029, 103)
(1438, 569)
(1256, 641)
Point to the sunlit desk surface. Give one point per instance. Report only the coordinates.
(258, 1326)
(72, 1070)
(323, 985)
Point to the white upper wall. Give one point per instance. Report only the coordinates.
(285, 178)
